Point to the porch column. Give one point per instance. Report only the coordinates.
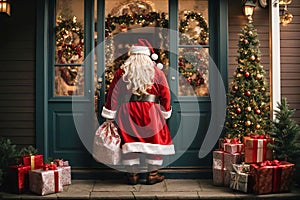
(275, 81)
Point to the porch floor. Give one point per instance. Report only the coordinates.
(168, 189)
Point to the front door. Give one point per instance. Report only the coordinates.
(183, 34)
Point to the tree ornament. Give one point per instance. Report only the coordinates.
(248, 109)
(248, 93)
(248, 123)
(257, 111)
(246, 74)
(252, 58)
(263, 89)
(238, 75)
(235, 88)
(250, 33)
(234, 125)
(257, 126)
(245, 41)
(259, 77)
(258, 59)
(238, 110)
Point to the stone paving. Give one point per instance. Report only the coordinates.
(168, 189)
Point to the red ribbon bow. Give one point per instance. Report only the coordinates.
(269, 163)
(235, 141)
(262, 136)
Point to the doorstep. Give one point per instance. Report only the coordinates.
(168, 189)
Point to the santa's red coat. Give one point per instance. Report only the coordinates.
(143, 126)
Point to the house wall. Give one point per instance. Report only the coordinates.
(290, 60)
(17, 73)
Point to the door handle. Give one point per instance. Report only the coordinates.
(173, 78)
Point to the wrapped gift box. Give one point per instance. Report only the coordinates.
(221, 177)
(18, 178)
(269, 178)
(239, 181)
(66, 170)
(35, 161)
(222, 166)
(44, 182)
(256, 150)
(233, 148)
(241, 168)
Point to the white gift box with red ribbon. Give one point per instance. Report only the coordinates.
(45, 182)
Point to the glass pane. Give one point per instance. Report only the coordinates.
(69, 31)
(69, 81)
(193, 22)
(193, 63)
(128, 20)
(193, 69)
(69, 49)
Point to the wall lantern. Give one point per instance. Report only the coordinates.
(248, 8)
(5, 6)
(285, 16)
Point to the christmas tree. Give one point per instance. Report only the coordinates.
(286, 133)
(248, 110)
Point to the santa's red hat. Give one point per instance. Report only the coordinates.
(144, 47)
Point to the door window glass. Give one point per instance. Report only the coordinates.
(193, 59)
(125, 22)
(69, 48)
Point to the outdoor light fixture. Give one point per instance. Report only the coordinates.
(285, 16)
(5, 6)
(248, 7)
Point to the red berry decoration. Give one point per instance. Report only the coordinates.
(248, 93)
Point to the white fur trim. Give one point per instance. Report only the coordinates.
(108, 114)
(148, 148)
(154, 162)
(131, 162)
(140, 49)
(167, 114)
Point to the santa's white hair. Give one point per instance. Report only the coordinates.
(139, 73)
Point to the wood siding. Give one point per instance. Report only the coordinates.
(290, 60)
(17, 73)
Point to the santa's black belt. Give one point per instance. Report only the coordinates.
(142, 98)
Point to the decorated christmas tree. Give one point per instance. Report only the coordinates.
(286, 133)
(248, 110)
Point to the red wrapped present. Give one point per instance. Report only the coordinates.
(35, 161)
(271, 177)
(222, 165)
(256, 149)
(18, 178)
(44, 182)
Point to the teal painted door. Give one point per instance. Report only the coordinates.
(70, 94)
(77, 80)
